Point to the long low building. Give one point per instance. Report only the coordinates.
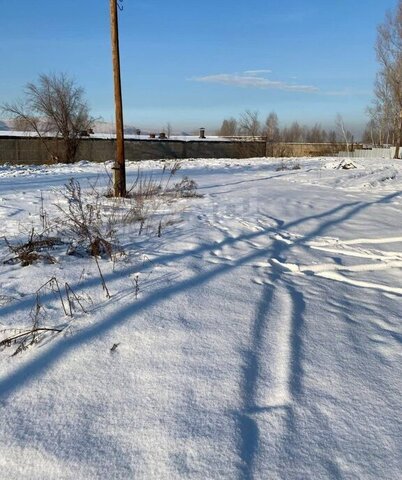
(28, 148)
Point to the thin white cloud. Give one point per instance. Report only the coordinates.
(256, 72)
(255, 79)
(347, 93)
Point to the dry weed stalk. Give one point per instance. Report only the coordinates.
(24, 338)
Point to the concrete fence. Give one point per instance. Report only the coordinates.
(31, 150)
(387, 153)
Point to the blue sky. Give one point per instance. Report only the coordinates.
(193, 63)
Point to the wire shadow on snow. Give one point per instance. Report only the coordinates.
(248, 426)
(32, 368)
(27, 302)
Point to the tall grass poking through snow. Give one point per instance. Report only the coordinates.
(90, 223)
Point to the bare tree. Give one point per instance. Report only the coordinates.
(370, 133)
(249, 124)
(272, 128)
(331, 138)
(228, 128)
(345, 134)
(383, 125)
(389, 55)
(54, 105)
(316, 134)
(386, 109)
(294, 133)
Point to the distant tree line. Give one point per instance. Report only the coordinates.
(249, 124)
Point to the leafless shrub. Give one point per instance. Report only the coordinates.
(88, 228)
(85, 223)
(34, 249)
(149, 193)
(148, 185)
(288, 165)
(185, 188)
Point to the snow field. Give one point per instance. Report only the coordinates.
(264, 342)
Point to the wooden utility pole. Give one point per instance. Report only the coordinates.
(119, 166)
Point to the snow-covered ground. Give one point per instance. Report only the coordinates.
(258, 338)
